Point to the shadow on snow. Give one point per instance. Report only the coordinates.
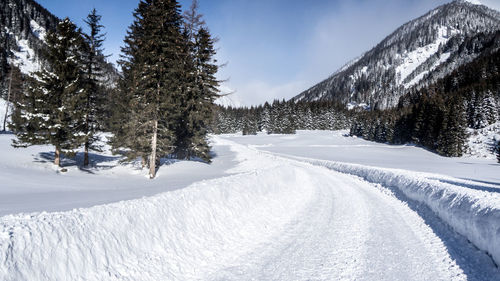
(475, 263)
(106, 162)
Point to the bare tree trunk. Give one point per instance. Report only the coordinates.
(152, 160)
(86, 155)
(57, 158)
(8, 100)
(143, 162)
(87, 141)
(87, 118)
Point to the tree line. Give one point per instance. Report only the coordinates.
(161, 105)
(282, 117)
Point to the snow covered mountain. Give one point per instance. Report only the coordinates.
(415, 55)
(24, 24)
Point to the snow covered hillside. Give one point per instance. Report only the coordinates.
(416, 54)
(25, 26)
(270, 207)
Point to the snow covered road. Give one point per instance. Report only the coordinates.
(269, 218)
(355, 230)
(350, 230)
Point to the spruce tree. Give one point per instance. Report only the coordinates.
(206, 93)
(152, 64)
(274, 118)
(189, 92)
(287, 118)
(50, 110)
(451, 141)
(94, 100)
(200, 88)
(265, 118)
(249, 126)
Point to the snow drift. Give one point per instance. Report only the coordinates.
(473, 213)
(184, 234)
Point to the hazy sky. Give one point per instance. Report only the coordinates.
(274, 48)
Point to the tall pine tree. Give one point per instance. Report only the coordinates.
(201, 88)
(452, 138)
(94, 100)
(50, 111)
(152, 65)
(200, 110)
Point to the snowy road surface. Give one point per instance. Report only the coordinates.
(267, 218)
(349, 230)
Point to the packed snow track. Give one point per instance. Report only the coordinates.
(349, 230)
(270, 218)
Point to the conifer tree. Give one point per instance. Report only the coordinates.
(189, 92)
(265, 118)
(249, 126)
(50, 110)
(94, 100)
(286, 118)
(152, 64)
(206, 93)
(199, 89)
(451, 141)
(193, 20)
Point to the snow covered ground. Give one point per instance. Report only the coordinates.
(31, 183)
(333, 146)
(311, 206)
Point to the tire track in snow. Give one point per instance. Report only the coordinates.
(352, 230)
(455, 254)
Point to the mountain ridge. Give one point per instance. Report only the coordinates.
(405, 58)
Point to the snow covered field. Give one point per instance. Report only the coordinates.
(333, 146)
(316, 205)
(30, 182)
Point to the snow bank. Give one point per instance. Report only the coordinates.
(473, 213)
(184, 234)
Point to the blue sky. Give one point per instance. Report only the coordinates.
(274, 48)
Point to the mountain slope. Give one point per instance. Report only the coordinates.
(415, 55)
(24, 24)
